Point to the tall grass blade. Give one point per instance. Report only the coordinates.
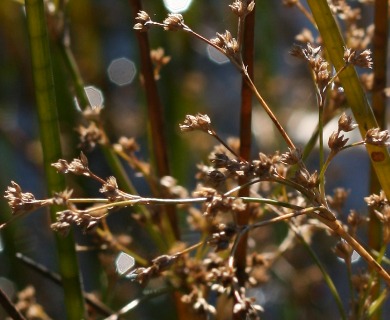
(356, 97)
(50, 140)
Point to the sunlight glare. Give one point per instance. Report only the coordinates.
(176, 6)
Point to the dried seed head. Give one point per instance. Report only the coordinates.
(174, 22)
(245, 308)
(89, 136)
(21, 202)
(199, 304)
(67, 217)
(159, 59)
(361, 59)
(376, 137)
(242, 7)
(127, 145)
(110, 189)
(346, 123)
(377, 201)
(144, 21)
(309, 53)
(227, 43)
(291, 157)
(199, 122)
(61, 198)
(337, 141)
(304, 177)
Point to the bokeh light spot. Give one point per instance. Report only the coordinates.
(121, 71)
(124, 262)
(216, 56)
(177, 6)
(95, 96)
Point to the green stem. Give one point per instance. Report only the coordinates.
(50, 139)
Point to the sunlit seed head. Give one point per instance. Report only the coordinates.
(121, 71)
(95, 96)
(176, 6)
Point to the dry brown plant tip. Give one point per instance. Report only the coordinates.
(361, 59)
(242, 7)
(144, 22)
(377, 137)
(174, 22)
(199, 122)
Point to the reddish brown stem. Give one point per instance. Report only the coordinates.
(155, 113)
(245, 136)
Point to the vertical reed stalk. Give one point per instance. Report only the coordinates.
(362, 111)
(50, 140)
(155, 117)
(245, 135)
(380, 42)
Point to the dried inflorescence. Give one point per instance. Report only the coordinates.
(22, 202)
(316, 62)
(226, 43)
(159, 59)
(377, 137)
(144, 21)
(242, 7)
(66, 218)
(77, 166)
(245, 307)
(336, 140)
(361, 59)
(90, 136)
(200, 122)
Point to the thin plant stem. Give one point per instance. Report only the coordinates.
(9, 307)
(51, 146)
(156, 123)
(56, 278)
(380, 57)
(245, 39)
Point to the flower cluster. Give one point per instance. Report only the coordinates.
(242, 7)
(361, 59)
(336, 140)
(227, 44)
(377, 137)
(22, 202)
(68, 217)
(316, 62)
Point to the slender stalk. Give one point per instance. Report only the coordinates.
(360, 107)
(55, 278)
(156, 119)
(112, 159)
(51, 146)
(246, 38)
(8, 306)
(380, 44)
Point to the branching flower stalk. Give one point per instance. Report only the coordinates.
(224, 43)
